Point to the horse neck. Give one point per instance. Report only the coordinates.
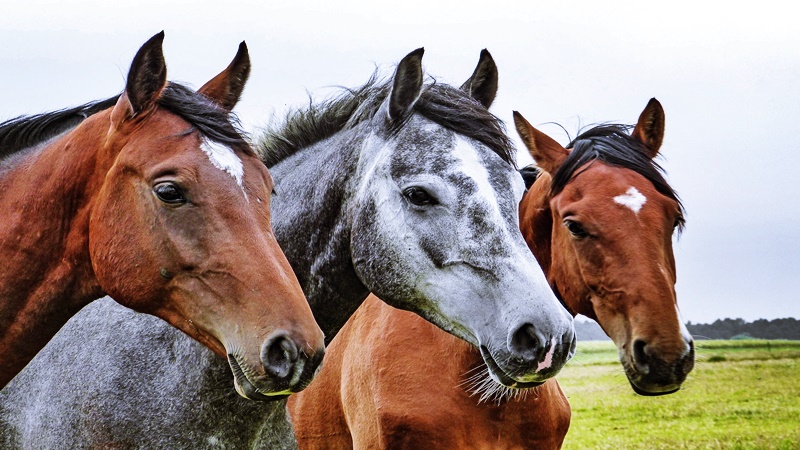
(537, 226)
(314, 193)
(536, 221)
(47, 275)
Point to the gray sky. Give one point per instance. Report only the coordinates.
(727, 74)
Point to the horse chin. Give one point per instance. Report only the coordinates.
(247, 389)
(501, 377)
(640, 385)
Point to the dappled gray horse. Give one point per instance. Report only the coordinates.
(400, 188)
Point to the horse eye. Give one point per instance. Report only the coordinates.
(575, 229)
(169, 192)
(418, 196)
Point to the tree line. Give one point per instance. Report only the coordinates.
(788, 328)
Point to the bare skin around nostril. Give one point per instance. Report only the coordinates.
(279, 355)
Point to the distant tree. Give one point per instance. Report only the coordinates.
(788, 328)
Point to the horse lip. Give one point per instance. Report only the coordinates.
(304, 377)
(247, 389)
(646, 393)
(501, 376)
(635, 380)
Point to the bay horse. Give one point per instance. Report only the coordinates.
(600, 219)
(155, 198)
(401, 187)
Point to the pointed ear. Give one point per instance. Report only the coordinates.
(226, 88)
(147, 77)
(482, 85)
(650, 128)
(407, 85)
(548, 154)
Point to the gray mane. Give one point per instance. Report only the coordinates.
(450, 107)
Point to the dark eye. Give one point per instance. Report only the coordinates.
(575, 229)
(418, 196)
(169, 192)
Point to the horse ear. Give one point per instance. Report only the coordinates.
(649, 129)
(548, 154)
(226, 88)
(147, 77)
(482, 85)
(407, 85)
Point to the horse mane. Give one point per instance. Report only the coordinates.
(613, 145)
(530, 174)
(449, 107)
(210, 120)
(24, 132)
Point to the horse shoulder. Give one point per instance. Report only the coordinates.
(538, 420)
(377, 390)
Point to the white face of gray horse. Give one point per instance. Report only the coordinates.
(441, 210)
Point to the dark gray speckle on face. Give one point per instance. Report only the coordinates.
(426, 151)
(471, 223)
(419, 150)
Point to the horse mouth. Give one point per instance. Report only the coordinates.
(246, 388)
(641, 386)
(500, 376)
(652, 393)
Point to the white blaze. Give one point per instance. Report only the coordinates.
(224, 159)
(473, 167)
(632, 199)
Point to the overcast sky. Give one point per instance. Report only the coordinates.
(728, 76)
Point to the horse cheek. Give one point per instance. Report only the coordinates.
(119, 236)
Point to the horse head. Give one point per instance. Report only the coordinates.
(436, 230)
(181, 227)
(601, 219)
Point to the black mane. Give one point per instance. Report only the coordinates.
(205, 116)
(26, 131)
(612, 145)
(443, 104)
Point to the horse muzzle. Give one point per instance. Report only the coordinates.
(286, 367)
(651, 375)
(531, 359)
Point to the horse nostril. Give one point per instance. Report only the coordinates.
(524, 342)
(573, 339)
(640, 357)
(279, 355)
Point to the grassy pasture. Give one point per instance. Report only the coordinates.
(740, 395)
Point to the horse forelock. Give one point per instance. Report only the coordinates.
(212, 121)
(445, 105)
(611, 144)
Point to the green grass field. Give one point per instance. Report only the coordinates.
(740, 395)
